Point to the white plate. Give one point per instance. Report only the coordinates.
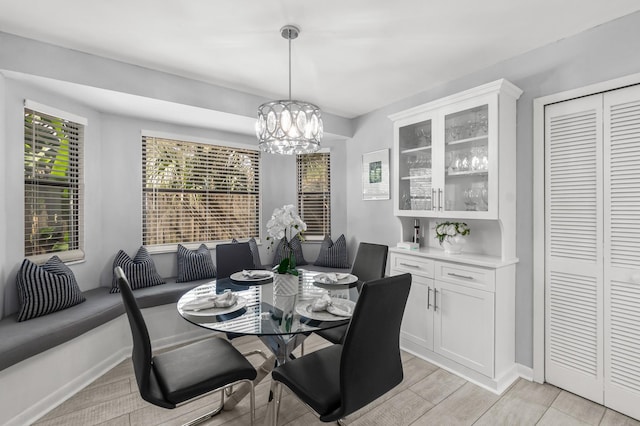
(304, 309)
(241, 302)
(343, 280)
(238, 276)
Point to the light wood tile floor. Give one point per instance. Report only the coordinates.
(427, 396)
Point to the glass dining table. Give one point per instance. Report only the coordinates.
(281, 320)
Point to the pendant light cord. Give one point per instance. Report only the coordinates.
(289, 64)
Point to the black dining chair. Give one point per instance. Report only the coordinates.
(233, 257)
(340, 379)
(369, 264)
(180, 375)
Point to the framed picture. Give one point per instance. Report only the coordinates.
(375, 175)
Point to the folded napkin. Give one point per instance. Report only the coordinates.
(325, 303)
(330, 277)
(223, 300)
(256, 274)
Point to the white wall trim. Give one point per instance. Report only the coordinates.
(56, 112)
(195, 139)
(538, 205)
(36, 391)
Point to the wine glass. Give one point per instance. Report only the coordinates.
(475, 157)
(465, 162)
(469, 200)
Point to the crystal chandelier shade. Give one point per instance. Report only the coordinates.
(289, 127)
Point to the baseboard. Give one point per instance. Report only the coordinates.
(35, 391)
(525, 372)
(66, 391)
(495, 385)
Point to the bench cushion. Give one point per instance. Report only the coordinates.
(21, 340)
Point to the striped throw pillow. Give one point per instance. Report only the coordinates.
(253, 246)
(333, 255)
(282, 252)
(45, 289)
(194, 264)
(140, 271)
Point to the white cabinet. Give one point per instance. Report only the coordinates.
(463, 325)
(460, 313)
(449, 154)
(417, 322)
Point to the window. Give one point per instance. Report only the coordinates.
(195, 192)
(52, 185)
(314, 193)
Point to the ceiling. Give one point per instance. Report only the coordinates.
(352, 56)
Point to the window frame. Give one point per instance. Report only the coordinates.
(315, 237)
(77, 253)
(211, 244)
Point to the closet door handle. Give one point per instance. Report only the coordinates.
(440, 199)
(433, 199)
(428, 297)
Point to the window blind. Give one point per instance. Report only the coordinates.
(53, 175)
(194, 192)
(314, 193)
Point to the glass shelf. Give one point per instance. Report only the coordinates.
(469, 140)
(414, 150)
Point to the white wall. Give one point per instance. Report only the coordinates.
(113, 189)
(602, 53)
(13, 200)
(4, 182)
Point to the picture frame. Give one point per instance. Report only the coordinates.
(375, 175)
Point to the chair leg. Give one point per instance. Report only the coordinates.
(208, 415)
(277, 396)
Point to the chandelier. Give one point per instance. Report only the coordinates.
(288, 126)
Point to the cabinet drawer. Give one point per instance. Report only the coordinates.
(470, 276)
(412, 264)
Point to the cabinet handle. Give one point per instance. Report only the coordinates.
(408, 265)
(435, 299)
(466, 277)
(428, 297)
(433, 199)
(440, 199)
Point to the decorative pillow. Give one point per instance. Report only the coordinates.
(140, 271)
(333, 255)
(45, 289)
(194, 264)
(282, 251)
(253, 246)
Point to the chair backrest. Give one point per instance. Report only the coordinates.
(141, 355)
(233, 257)
(371, 365)
(370, 262)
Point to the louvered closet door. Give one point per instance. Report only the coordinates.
(622, 250)
(574, 249)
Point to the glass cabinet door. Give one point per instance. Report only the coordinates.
(466, 160)
(415, 166)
